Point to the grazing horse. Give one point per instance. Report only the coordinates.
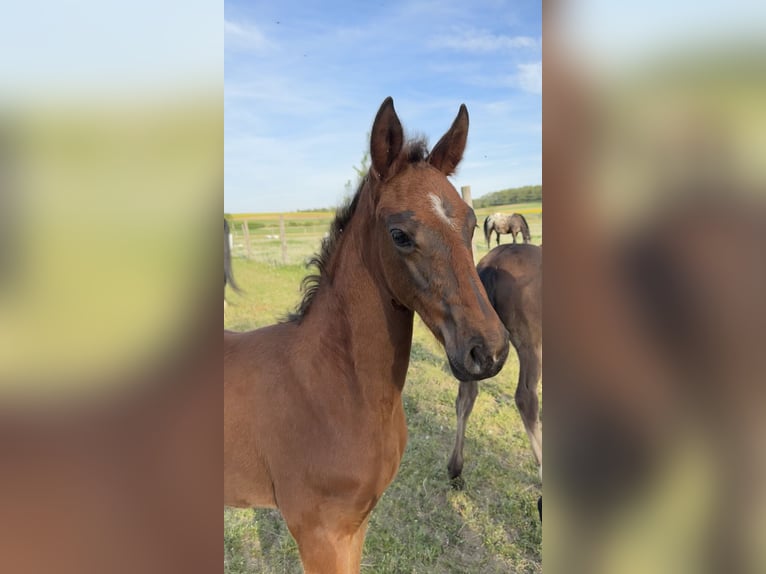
(313, 417)
(502, 223)
(512, 275)
(228, 277)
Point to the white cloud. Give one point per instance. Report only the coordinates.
(530, 77)
(244, 37)
(480, 41)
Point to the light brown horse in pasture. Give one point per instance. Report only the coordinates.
(313, 416)
(513, 278)
(503, 223)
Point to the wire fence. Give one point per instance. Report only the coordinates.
(291, 239)
(279, 239)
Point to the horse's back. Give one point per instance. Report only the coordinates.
(512, 276)
(520, 260)
(255, 368)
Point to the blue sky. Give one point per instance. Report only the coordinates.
(303, 81)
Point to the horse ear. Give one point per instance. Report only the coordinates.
(386, 139)
(449, 151)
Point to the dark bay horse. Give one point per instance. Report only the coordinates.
(502, 223)
(512, 275)
(228, 276)
(313, 416)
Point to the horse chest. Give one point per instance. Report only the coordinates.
(392, 441)
(372, 457)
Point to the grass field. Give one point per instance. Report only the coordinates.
(421, 524)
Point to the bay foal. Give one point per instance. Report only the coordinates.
(313, 416)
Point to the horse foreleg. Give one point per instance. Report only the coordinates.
(357, 545)
(329, 550)
(530, 369)
(466, 397)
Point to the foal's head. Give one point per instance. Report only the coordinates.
(422, 232)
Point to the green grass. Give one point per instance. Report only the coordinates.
(421, 524)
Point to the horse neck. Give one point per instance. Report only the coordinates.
(355, 313)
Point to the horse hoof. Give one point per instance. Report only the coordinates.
(457, 482)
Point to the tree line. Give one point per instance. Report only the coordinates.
(513, 195)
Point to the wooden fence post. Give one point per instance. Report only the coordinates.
(282, 238)
(465, 191)
(246, 233)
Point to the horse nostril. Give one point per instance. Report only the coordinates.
(479, 356)
(481, 359)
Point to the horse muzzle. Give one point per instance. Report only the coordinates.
(478, 359)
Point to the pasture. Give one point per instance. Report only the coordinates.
(304, 231)
(421, 524)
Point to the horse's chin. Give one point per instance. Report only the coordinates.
(460, 374)
(465, 375)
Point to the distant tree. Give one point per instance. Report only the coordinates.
(364, 164)
(361, 171)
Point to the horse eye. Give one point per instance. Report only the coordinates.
(401, 239)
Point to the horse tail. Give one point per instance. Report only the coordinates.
(486, 229)
(228, 276)
(525, 229)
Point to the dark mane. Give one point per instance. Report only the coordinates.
(415, 151)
